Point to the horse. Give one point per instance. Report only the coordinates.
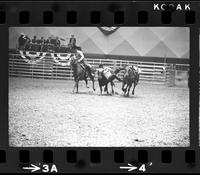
(80, 72)
(131, 76)
(107, 77)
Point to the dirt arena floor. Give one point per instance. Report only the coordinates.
(46, 113)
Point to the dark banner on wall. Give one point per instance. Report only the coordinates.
(108, 30)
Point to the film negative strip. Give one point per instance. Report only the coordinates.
(99, 87)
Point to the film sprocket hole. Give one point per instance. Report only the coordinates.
(99, 87)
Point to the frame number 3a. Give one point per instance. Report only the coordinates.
(47, 168)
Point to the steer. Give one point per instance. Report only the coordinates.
(107, 75)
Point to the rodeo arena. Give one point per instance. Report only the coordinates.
(98, 86)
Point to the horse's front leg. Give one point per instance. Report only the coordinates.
(112, 84)
(134, 88)
(100, 86)
(93, 85)
(124, 88)
(101, 89)
(92, 79)
(129, 87)
(76, 85)
(106, 88)
(86, 83)
(123, 84)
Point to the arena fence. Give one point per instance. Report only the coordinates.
(156, 73)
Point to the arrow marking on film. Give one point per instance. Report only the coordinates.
(129, 167)
(33, 168)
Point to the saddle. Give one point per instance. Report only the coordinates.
(107, 72)
(83, 66)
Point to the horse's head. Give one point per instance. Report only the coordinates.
(137, 69)
(130, 72)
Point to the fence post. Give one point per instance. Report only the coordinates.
(114, 64)
(32, 70)
(56, 70)
(43, 68)
(70, 76)
(12, 68)
(153, 73)
(164, 73)
(52, 69)
(172, 73)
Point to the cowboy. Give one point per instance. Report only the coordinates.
(22, 41)
(81, 59)
(49, 47)
(188, 73)
(72, 41)
(34, 40)
(40, 42)
(57, 42)
(48, 41)
(28, 40)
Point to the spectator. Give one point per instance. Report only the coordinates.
(188, 72)
(72, 41)
(28, 40)
(34, 40)
(28, 43)
(52, 40)
(48, 41)
(22, 41)
(57, 42)
(42, 40)
(46, 44)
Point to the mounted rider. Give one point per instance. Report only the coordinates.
(72, 42)
(81, 59)
(22, 41)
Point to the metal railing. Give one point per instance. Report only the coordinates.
(151, 71)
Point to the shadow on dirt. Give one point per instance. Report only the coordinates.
(116, 94)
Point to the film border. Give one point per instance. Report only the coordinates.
(107, 10)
